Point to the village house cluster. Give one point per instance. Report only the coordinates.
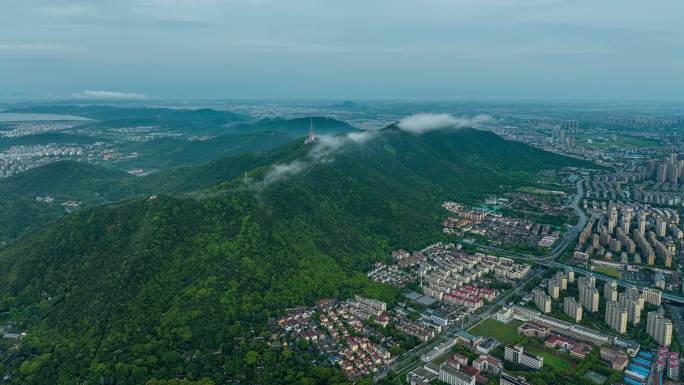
(391, 274)
(497, 227)
(340, 331)
(17, 159)
(548, 202)
(451, 276)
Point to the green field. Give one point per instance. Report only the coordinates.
(607, 270)
(606, 141)
(505, 333)
(552, 358)
(540, 191)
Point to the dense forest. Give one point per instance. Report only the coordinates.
(170, 287)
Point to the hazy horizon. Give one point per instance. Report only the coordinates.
(532, 50)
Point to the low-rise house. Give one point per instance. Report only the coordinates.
(488, 364)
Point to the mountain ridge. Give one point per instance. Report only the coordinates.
(168, 275)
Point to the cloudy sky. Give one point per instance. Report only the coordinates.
(338, 49)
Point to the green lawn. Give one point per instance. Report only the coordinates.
(552, 358)
(607, 270)
(540, 191)
(505, 333)
(606, 141)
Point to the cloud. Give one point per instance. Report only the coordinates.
(109, 95)
(327, 147)
(323, 150)
(40, 47)
(422, 123)
(66, 10)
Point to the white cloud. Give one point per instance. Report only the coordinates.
(323, 150)
(326, 148)
(109, 95)
(66, 10)
(40, 47)
(422, 123)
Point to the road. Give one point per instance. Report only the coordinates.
(562, 245)
(411, 358)
(569, 236)
(408, 359)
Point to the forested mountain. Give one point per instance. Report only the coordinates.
(295, 127)
(159, 288)
(57, 138)
(144, 114)
(67, 180)
(170, 152)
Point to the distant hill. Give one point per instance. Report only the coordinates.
(347, 104)
(189, 122)
(68, 180)
(150, 289)
(113, 113)
(170, 152)
(53, 137)
(295, 127)
(20, 215)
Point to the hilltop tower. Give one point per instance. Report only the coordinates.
(312, 135)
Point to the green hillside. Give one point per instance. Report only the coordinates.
(157, 289)
(69, 180)
(58, 138)
(19, 215)
(294, 127)
(169, 152)
(113, 113)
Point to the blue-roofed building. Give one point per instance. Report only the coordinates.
(639, 369)
(629, 381)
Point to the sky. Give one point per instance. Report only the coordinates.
(342, 49)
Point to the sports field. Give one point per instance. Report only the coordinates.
(504, 333)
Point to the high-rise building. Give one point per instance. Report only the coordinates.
(612, 219)
(562, 280)
(625, 224)
(633, 308)
(572, 309)
(653, 296)
(634, 302)
(615, 245)
(516, 354)
(642, 224)
(610, 291)
(659, 328)
(542, 300)
(553, 288)
(570, 273)
(616, 316)
(588, 293)
(661, 226)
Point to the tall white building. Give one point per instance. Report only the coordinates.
(518, 355)
(659, 328)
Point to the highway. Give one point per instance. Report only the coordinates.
(569, 236)
(562, 245)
